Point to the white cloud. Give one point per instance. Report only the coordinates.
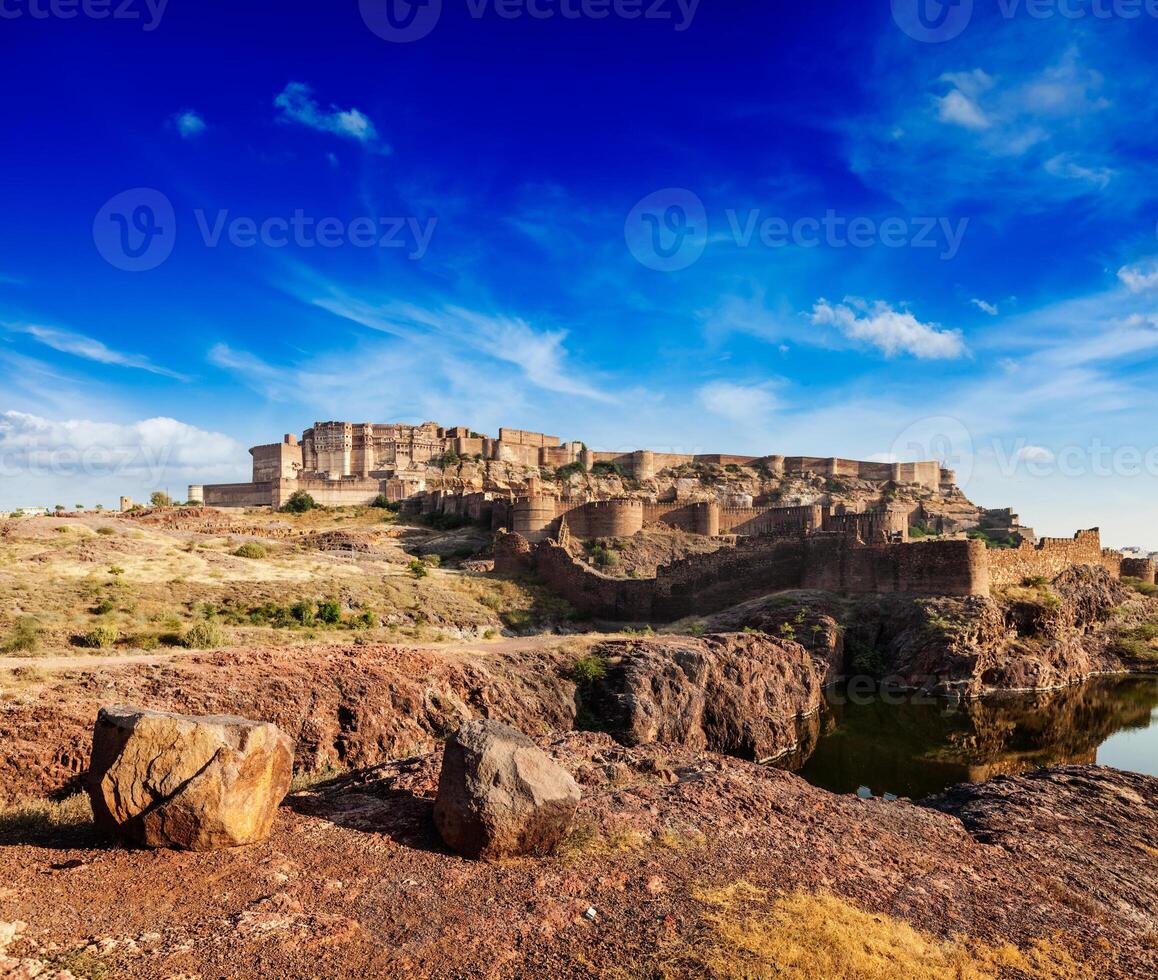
(890, 331)
(1066, 166)
(742, 404)
(189, 124)
(78, 345)
(32, 446)
(540, 355)
(1035, 454)
(298, 105)
(985, 307)
(1140, 276)
(958, 109)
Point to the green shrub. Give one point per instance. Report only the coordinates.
(159, 499)
(25, 636)
(106, 531)
(251, 549)
(329, 613)
(606, 468)
(788, 631)
(103, 608)
(299, 502)
(569, 470)
(381, 502)
(100, 638)
(1035, 581)
(204, 636)
(145, 641)
(365, 620)
(418, 568)
(116, 570)
(604, 556)
(588, 669)
(1139, 586)
(303, 612)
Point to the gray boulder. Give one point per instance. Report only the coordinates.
(499, 795)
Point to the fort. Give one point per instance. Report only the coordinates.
(853, 526)
(346, 464)
(832, 561)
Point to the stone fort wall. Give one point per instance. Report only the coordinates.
(1049, 558)
(756, 566)
(707, 583)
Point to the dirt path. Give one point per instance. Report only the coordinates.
(90, 661)
(86, 661)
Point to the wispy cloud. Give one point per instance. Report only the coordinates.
(297, 105)
(189, 124)
(88, 348)
(891, 331)
(742, 404)
(1140, 277)
(985, 307)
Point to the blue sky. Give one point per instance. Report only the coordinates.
(746, 226)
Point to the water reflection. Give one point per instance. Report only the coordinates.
(911, 747)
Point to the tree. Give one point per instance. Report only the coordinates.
(160, 499)
(299, 502)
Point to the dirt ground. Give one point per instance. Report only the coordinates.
(679, 865)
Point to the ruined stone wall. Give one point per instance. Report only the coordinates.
(239, 494)
(1141, 568)
(625, 600)
(1047, 559)
(836, 564)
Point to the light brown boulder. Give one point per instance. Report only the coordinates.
(499, 795)
(191, 783)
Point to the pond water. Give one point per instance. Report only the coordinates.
(913, 746)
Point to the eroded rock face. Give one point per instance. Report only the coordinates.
(739, 694)
(500, 795)
(191, 783)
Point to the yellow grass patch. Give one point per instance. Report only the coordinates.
(746, 933)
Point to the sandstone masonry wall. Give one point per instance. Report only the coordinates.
(1049, 558)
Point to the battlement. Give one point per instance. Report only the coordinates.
(385, 451)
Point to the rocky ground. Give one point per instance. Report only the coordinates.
(687, 858)
(680, 864)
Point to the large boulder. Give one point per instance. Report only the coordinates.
(499, 795)
(192, 783)
(741, 694)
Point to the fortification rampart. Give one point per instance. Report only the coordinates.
(1139, 568)
(1049, 558)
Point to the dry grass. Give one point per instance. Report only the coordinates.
(40, 819)
(152, 584)
(748, 934)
